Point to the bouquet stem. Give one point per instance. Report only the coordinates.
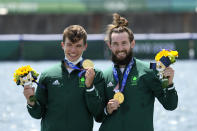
(32, 98)
(164, 82)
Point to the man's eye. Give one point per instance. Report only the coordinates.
(79, 46)
(115, 44)
(124, 43)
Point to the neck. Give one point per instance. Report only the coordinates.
(122, 66)
(73, 62)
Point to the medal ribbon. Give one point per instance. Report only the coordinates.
(71, 65)
(126, 73)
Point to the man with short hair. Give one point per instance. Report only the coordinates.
(63, 88)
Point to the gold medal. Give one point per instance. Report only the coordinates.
(119, 96)
(87, 64)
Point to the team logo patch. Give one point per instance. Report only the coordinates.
(134, 81)
(82, 82)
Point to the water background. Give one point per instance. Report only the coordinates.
(14, 116)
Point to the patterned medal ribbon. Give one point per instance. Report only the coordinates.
(118, 93)
(71, 65)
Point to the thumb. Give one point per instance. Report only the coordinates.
(33, 89)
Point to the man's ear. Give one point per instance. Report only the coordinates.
(108, 44)
(62, 45)
(85, 47)
(133, 44)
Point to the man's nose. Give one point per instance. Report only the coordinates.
(73, 49)
(120, 48)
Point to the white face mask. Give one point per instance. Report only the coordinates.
(75, 62)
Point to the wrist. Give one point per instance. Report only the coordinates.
(171, 87)
(171, 84)
(90, 89)
(30, 103)
(88, 85)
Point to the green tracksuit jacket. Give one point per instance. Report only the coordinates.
(61, 100)
(136, 112)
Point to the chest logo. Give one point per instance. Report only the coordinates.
(82, 82)
(110, 84)
(56, 83)
(134, 81)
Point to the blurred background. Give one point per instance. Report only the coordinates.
(31, 32)
(156, 24)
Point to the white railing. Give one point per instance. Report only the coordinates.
(46, 37)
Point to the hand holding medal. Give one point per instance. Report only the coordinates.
(88, 69)
(112, 105)
(119, 96)
(25, 75)
(88, 65)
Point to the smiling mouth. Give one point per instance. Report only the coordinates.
(121, 54)
(72, 55)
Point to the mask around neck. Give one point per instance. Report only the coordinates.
(75, 62)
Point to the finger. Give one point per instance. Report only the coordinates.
(169, 72)
(114, 104)
(27, 95)
(113, 100)
(116, 101)
(87, 75)
(109, 110)
(91, 71)
(166, 74)
(169, 69)
(27, 87)
(114, 108)
(27, 90)
(110, 103)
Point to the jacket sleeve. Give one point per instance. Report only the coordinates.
(95, 97)
(167, 96)
(38, 110)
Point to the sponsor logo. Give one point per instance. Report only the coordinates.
(110, 84)
(56, 83)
